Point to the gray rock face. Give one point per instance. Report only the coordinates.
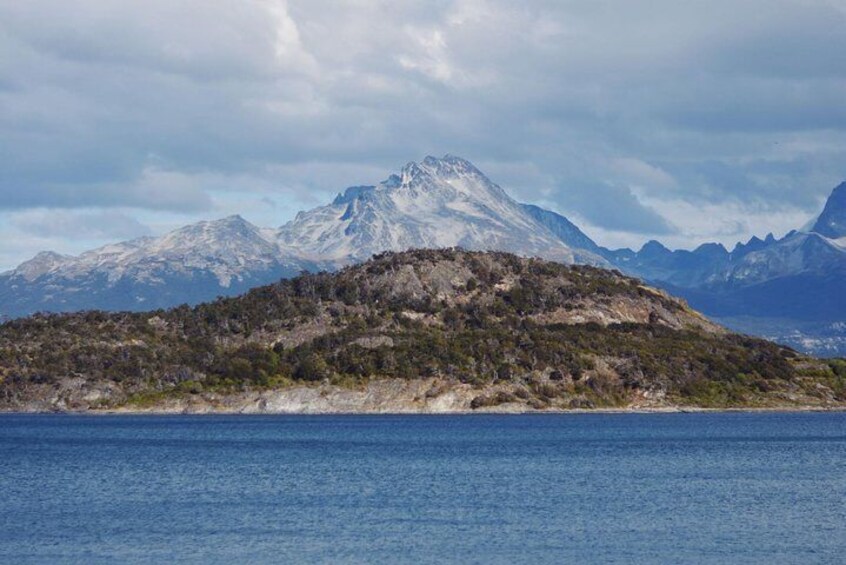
(564, 229)
(832, 221)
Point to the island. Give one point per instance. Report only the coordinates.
(427, 331)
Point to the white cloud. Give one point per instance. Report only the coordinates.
(642, 174)
(288, 47)
(183, 110)
(725, 223)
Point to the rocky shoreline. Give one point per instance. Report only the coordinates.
(378, 396)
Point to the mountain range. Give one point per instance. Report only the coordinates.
(791, 290)
(788, 289)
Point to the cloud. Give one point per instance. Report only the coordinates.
(88, 225)
(198, 108)
(153, 189)
(614, 207)
(643, 174)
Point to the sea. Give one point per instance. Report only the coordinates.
(541, 488)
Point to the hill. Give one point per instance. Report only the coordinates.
(424, 330)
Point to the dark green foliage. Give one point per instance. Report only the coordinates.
(838, 366)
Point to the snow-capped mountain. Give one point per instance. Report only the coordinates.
(226, 248)
(712, 266)
(188, 265)
(434, 203)
(443, 202)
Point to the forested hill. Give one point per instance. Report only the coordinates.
(502, 330)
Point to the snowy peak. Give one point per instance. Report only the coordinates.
(41, 264)
(450, 166)
(464, 176)
(832, 221)
(437, 202)
(233, 232)
(231, 225)
(224, 249)
(449, 173)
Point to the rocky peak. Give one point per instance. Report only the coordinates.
(713, 250)
(832, 221)
(353, 193)
(653, 248)
(450, 166)
(446, 169)
(230, 226)
(413, 173)
(755, 243)
(39, 265)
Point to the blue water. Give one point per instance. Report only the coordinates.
(765, 488)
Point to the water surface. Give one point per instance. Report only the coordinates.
(767, 488)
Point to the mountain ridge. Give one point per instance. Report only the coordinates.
(788, 289)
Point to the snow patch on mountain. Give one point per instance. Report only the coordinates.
(797, 253)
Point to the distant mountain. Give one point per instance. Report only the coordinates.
(792, 289)
(436, 203)
(189, 265)
(832, 221)
(442, 202)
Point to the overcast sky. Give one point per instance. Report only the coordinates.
(683, 121)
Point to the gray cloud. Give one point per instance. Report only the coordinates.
(186, 107)
(87, 225)
(614, 207)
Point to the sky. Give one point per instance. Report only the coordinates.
(680, 121)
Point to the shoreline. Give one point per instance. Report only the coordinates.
(382, 396)
(480, 411)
